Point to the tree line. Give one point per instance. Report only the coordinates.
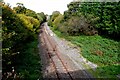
(88, 18)
(20, 26)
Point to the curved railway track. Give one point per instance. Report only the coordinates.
(56, 66)
(52, 50)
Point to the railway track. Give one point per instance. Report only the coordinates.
(56, 65)
(61, 71)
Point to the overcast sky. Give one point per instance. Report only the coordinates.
(46, 6)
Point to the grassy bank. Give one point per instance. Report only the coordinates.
(99, 50)
(29, 65)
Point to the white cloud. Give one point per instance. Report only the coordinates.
(46, 6)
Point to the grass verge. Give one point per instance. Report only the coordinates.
(99, 50)
(29, 65)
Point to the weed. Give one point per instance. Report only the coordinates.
(102, 51)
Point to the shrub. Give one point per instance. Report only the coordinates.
(30, 22)
(54, 15)
(57, 21)
(104, 16)
(17, 30)
(77, 26)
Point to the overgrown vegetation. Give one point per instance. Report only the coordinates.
(99, 50)
(28, 64)
(20, 27)
(94, 27)
(91, 18)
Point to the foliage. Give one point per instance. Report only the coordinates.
(77, 26)
(30, 69)
(41, 17)
(102, 51)
(18, 31)
(58, 19)
(20, 8)
(54, 15)
(88, 18)
(31, 13)
(13, 33)
(103, 16)
(30, 22)
(73, 26)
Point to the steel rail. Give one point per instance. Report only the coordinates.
(56, 52)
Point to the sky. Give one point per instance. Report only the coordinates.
(46, 6)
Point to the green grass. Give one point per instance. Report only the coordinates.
(99, 50)
(29, 65)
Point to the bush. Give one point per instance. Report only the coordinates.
(103, 16)
(77, 26)
(17, 30)
(54, 15)
(14, 34)
(42, 17)
(30, 22)
(57, 21)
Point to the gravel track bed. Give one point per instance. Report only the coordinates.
(77, 65)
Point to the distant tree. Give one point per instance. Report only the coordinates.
(42, 17)
(20, 8)
(57, 21)
(31, 13)
(104, 16)
(54, 15)
(20, 4)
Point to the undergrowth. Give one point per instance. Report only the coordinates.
(29, 66)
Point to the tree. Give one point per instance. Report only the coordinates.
(57, 21)
(31, 13)
(42, 17)
(103, 16)
(20, 8)
(17, 30)
(54, 15)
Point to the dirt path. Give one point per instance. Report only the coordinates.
(61, 59)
